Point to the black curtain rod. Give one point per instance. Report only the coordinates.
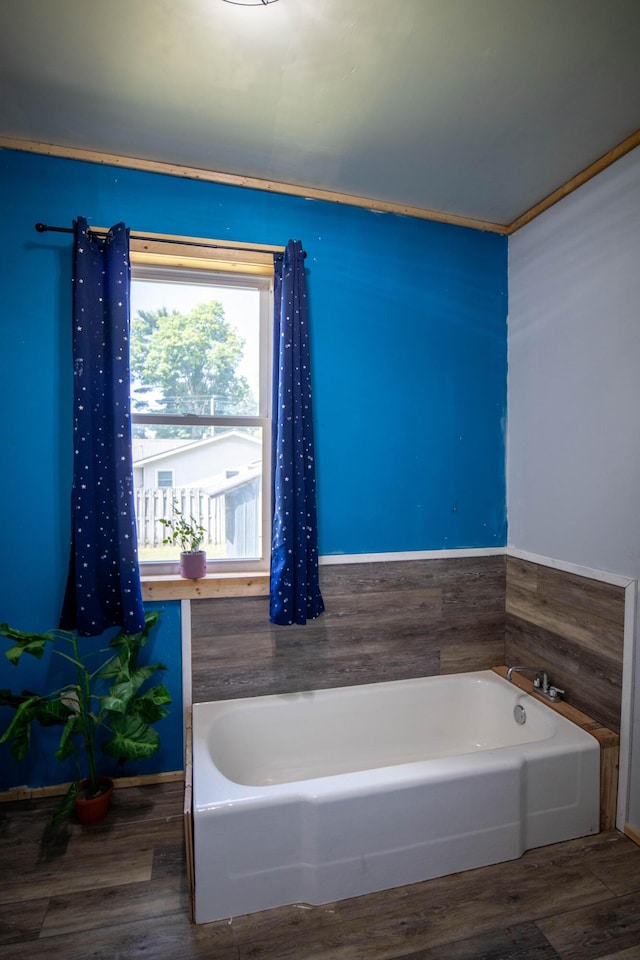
(44, 228)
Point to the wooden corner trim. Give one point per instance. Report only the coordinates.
(188, 812)
(632, 832)
(587, 174)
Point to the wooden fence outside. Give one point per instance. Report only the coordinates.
(154, 503)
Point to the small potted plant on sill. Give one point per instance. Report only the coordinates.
(107, 696)
(188, 534)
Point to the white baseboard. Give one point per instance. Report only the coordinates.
(336, 559)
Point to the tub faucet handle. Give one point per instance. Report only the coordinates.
(541, 681)
(555, 693)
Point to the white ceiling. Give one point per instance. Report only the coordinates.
(475, 108)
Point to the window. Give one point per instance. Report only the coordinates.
(164, 478)
(200, 395)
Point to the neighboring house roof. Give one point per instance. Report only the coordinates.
(218, 440)
(252, 472)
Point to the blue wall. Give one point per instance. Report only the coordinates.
(409, 348)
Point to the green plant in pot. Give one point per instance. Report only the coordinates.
(188, 534)
(112, 696)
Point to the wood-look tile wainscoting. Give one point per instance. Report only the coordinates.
(383, 621)
(118, 891)
(573, 626)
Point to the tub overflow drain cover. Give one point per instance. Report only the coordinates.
(519, 713)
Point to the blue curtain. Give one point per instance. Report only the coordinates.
(295, 590)
(103, 583)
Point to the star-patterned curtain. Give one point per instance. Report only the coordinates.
(103, 583)
(295, 590)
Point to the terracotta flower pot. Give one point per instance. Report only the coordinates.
(193, 566)
(93, 809)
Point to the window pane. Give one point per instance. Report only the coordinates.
(194, 349)
(217, 479)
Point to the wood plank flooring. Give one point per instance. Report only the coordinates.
(119, 892)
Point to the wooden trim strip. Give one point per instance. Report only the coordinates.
(188, 812)
(315, 193)
(253, 183)
(587, 174)
(223, 262)
(172, 587)
(201, 257)
(608, 740)
(59, 789)
(213, 245)
(632, 832)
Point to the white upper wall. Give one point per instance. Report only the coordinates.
(573, 438)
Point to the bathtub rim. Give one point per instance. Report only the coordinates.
(370, 778)
(607, 740)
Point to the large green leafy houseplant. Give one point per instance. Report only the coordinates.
(106, 696)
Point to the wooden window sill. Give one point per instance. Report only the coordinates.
(174, 587)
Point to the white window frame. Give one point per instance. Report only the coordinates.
(161, 261)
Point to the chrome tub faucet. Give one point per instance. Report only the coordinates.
(541, 681)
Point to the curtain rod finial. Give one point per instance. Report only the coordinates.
(41, 228)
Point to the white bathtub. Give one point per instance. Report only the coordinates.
(314, 797)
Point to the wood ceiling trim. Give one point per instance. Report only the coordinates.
(597, 167)
(313, 193)
(235, 180)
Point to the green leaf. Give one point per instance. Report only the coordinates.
(151, 617)
(123, 692)
(136, 640)
(127, 689)
(113, 704)
(31, 643)
(35, 647)
(140, 674)
(151, 705)
(66, 804)
(111, 668)
(18, 733)
(52, 712)
(66, 746)
(133, 739)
